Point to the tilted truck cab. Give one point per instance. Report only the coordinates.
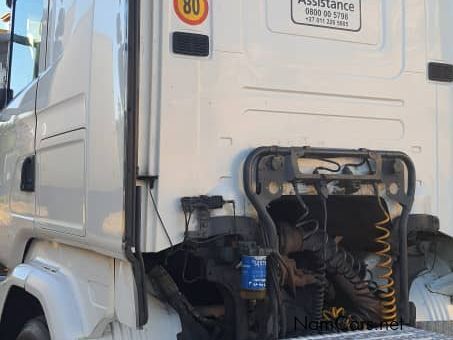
(201, 169)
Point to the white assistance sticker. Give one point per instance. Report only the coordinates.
(337, 14)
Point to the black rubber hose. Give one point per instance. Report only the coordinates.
(347, 270)
(320, 293)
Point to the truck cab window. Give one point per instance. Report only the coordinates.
(26, 41)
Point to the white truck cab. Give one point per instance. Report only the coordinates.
(212, 169)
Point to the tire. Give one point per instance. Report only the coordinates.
(35, 329)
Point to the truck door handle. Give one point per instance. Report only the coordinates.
(27, 180)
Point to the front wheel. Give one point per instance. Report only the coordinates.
(35, 329)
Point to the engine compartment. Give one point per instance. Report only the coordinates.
(327, 252)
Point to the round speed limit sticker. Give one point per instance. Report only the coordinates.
(192, 12)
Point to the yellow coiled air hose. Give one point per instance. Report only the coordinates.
(334, 314)
(388, 294)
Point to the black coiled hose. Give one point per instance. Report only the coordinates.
(339, 263)
(320, 292)
(329, 258)
(336, 260)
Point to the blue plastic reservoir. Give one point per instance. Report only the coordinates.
(253, 276)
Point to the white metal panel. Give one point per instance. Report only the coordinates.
(430, 306)
(78, 299)
(17, 208)
(125, 292)
(267, 82)
(61, 201)
(164, 324)
(84, 87)
(440, 49)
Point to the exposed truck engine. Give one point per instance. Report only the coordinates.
(327, 250)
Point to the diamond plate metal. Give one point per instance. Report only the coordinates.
(405, 333)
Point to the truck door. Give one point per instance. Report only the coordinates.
(18, 126)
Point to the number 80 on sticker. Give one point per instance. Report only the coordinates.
(192, 12)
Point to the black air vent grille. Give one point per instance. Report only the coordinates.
(440, 72)
(191, 44)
